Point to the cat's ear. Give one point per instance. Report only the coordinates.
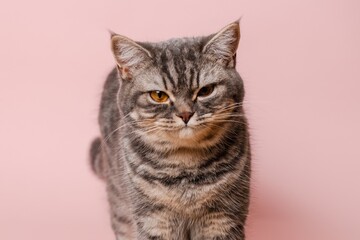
(129, 55)
(223, 45)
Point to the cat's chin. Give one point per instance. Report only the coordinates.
(186, 132)
(188, 136)
(183, 134)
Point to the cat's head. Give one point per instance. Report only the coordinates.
(183, 91)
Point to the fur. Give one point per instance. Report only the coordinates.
(168, 178)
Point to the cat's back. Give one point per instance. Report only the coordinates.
(109, 114)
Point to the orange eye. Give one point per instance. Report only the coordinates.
(206, 91)
(159, 96)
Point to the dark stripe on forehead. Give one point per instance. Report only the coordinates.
(198, 79)
(164, 82)
(165, 68)
(180, 68)
(191, 77)
(191, 55)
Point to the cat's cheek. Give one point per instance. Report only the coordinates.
(134, 115)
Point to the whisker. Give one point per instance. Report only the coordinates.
(234, 105)
(232, 121)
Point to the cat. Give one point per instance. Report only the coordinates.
(174, 148)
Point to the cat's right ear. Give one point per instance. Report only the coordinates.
(223, 45)
(129, 55)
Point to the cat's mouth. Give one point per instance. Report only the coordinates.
(199, 136)
(191, 132)
(182, 131)
(196, 132)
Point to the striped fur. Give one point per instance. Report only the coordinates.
(167, 179)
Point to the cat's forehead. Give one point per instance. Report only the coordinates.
(179, 62)
(186, 48)
(180, 43)
(180, 66)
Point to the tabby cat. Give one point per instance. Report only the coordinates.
(174, 147)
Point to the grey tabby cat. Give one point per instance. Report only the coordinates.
(174, 146)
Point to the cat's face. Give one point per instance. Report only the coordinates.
(183, 91)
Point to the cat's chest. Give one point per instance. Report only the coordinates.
(176, 180)
(186, 192)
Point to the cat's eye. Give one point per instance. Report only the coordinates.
(206, 91)
(159, 96)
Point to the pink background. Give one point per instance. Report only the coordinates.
(300, 60)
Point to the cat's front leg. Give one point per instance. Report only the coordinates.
(218, 226)
(161, 225)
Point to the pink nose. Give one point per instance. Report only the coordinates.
(185, 116)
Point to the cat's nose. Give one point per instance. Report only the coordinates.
(185, 116)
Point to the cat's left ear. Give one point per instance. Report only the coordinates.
(223, 45)
(129, 55)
